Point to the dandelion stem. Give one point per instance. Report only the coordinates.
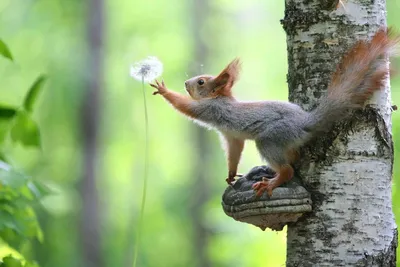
(146, 169)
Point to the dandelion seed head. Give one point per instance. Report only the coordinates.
(147, 69)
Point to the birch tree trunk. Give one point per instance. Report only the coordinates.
(348, 171)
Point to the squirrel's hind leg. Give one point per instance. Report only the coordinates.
(284, 174)
(279, 157)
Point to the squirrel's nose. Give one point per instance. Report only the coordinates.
(186, 83)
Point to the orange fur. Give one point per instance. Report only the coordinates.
(357, 65)
(292, 155)
(180, 102)
(234, 150)
(227, 78)
(284, 173)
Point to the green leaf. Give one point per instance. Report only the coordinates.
(33, 93)
(26, 193)
(3, 156)
(25, 130)
(11, 237)
(4, 51)
(8, 222)
(12, 178)
(9, 261)
(38, 189)
(18, 195)
(4, 130)
(31, 264)
(7, 112)
(19, 227)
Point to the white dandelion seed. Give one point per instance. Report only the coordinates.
(147, 70)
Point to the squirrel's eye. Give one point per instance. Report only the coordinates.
(200, 82)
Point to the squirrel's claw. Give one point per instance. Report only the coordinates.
(230, 180)
(160, 87)
(264, 185)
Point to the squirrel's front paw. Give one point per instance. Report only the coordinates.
(161, 88)
(231, 177)
(230, 180)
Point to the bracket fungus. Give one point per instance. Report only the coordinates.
(287, 203)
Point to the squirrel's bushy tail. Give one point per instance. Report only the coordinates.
(360, 73)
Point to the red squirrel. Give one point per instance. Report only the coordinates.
(280, 128)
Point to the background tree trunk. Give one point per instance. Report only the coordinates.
(352, 222)
(200, 188)
(90, 226)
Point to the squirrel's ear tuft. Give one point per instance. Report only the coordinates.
(228, 76)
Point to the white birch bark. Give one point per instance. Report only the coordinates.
(349, 171)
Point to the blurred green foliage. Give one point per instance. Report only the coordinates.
(10, 261)
(19, 193)
(4, 51)
(49, 36)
